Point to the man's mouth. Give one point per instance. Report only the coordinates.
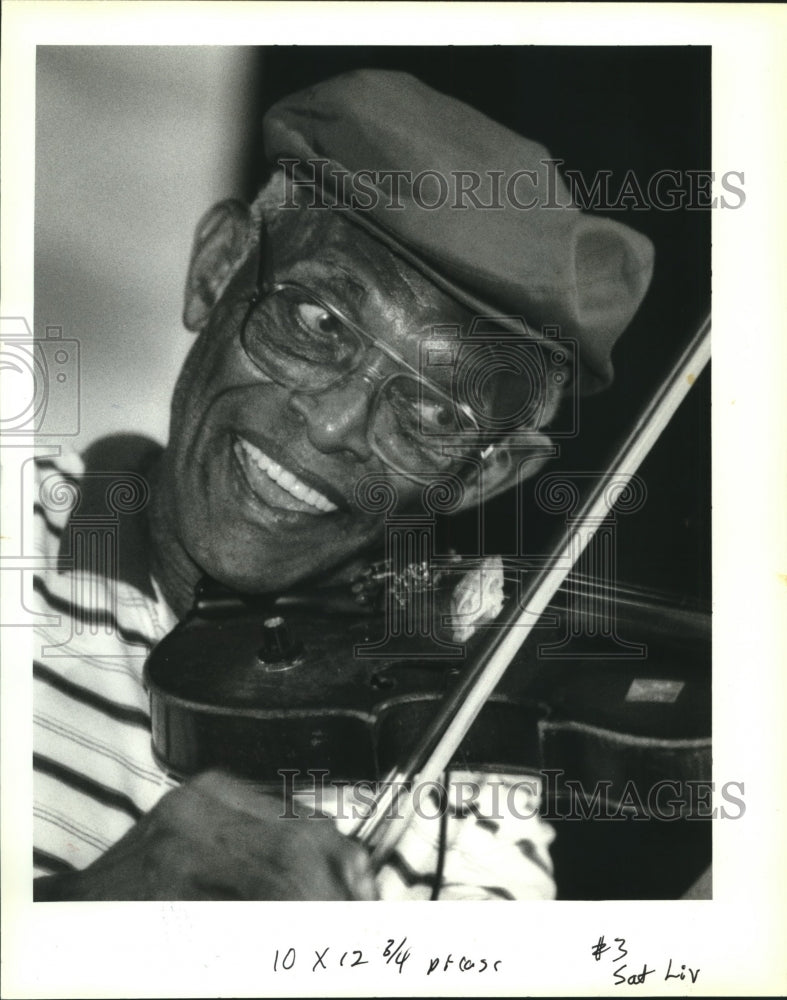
(276, 486)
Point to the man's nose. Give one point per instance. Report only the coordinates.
(336, 419)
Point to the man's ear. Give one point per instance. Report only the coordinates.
(220, 243)
(507, 464)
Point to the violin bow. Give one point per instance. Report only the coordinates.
(442, 738)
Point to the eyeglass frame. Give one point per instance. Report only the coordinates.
(266, 286)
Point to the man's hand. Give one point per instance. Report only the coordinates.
(217, 837)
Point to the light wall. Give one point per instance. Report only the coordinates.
(133, 144)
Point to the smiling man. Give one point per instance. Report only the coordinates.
(304, 379)
(392, 212)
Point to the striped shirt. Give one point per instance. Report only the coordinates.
(94, 772)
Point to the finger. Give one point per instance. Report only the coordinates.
(357, 872)
(306, 858)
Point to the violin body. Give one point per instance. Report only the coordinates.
(338, 691)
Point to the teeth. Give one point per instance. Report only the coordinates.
(285, 479)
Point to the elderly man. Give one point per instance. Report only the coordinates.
(392, 211)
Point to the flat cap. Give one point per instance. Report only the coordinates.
(482, 211)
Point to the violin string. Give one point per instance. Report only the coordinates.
(590, 580)
(515, 571)
(588, 588)
(512, 574)
(586, 584)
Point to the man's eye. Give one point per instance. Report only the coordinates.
(418, 411)
(436, 414)
(316, 319)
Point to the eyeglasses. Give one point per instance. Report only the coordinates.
(308, 345)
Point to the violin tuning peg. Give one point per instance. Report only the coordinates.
(278, 646)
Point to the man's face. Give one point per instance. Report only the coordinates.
(259, 479)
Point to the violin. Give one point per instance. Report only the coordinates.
(260, 687)
(301, 682)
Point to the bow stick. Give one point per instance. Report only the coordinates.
(458, 711)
